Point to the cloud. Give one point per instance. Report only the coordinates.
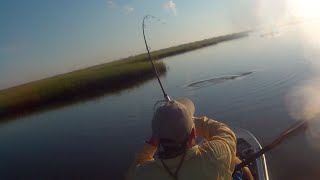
(121, 5)
(111, 4)
(170, 6)
(128, 9)
(124, 2)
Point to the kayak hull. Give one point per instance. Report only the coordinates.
(247, 145)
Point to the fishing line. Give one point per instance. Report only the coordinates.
(166, 97)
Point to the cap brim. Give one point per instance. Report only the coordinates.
(188, 103)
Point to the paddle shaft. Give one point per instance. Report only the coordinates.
(296, 128)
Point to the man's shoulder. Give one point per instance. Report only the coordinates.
(203, 118)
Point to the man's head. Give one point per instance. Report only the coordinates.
(173, 122)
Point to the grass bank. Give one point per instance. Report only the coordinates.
(81, 85)
(175, 50)
(75, 86)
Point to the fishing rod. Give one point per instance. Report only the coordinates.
(301, 125)
(166, 97)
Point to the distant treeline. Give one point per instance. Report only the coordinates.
(92, 82)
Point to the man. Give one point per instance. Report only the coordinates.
(174, 131)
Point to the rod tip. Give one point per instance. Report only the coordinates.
(167, 98)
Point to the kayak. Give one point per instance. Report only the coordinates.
(247, 145)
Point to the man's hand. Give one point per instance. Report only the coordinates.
(246, 171)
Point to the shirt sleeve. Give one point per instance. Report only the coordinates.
(144, 154)
(221, 141)
(209, 128)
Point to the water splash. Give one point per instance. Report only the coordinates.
(303, 103)
(313, 133)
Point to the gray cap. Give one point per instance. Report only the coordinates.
(174, 120)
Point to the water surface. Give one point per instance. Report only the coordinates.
(97, 139)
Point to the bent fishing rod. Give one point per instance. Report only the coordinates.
(166, 97)
(300, 125)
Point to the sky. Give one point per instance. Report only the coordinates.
(41, 38)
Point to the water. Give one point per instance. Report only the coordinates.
(98, 139)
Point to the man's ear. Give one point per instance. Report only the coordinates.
(192, 136)
(193, 133)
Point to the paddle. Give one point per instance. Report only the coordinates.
(300, 125)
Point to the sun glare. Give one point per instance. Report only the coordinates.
(304, 8)
(307, 11)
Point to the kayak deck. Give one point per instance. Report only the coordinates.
(247, 145)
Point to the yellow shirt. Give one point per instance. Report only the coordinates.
(214, 159)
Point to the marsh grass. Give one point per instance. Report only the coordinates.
(75, 87)
(175, 50)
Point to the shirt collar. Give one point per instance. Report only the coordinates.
(173, 162)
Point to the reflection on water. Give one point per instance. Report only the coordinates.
(98, 139)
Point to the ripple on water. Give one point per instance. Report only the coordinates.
(215, 80)
(257, 89)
